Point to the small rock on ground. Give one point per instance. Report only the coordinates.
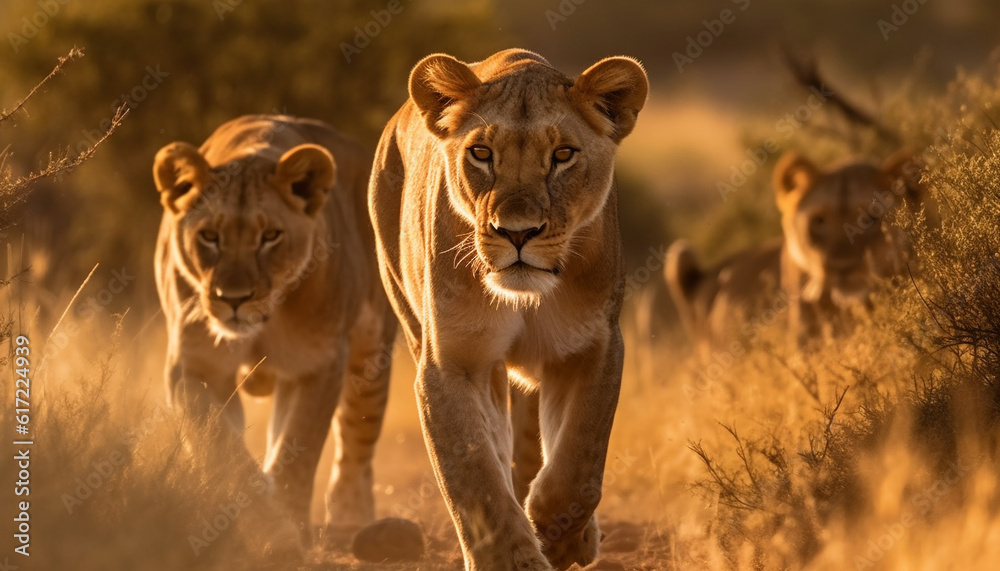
(387, 540)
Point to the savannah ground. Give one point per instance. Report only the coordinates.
(878, 451)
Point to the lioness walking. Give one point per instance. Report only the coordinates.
(265, 258)
(496, 220)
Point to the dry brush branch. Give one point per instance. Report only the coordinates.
(74, 54)
(806, 73)
(14, 191)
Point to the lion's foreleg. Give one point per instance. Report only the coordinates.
(467, 432)
(201, 394)
(303, 409)
(578, 401)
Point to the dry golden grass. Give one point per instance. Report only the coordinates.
(662, 509)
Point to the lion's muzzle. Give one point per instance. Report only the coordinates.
(522, 264)
(233, 313)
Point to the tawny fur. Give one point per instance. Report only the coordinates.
(480, 314)
(825, 265)
(270, 215)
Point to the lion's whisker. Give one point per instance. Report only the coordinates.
(455, 247)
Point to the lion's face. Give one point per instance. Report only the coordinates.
(244, 231)
(528, 186)
(530, 158)
(835, 224)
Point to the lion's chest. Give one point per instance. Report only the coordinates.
(555, 335)
(297, 351)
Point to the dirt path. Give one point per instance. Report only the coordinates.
(626, 546)
(405, 487)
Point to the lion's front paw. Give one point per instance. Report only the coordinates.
(573, 547)
(507, 550)
(272, 535)
(528, 559)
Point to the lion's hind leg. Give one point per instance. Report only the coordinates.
(350, 500)
(526, 439)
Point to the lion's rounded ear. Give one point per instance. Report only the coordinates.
(305, 174)
(436, 83)
(180, 173)
(793, 175)
(616, 88)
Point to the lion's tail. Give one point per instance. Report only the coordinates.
(683, 276)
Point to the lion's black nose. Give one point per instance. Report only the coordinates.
(519, 237)
(234, 299)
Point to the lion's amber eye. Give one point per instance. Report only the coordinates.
(209, 236)
(270, 236)
(563, 154)
(817, 228)
(481, 152)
